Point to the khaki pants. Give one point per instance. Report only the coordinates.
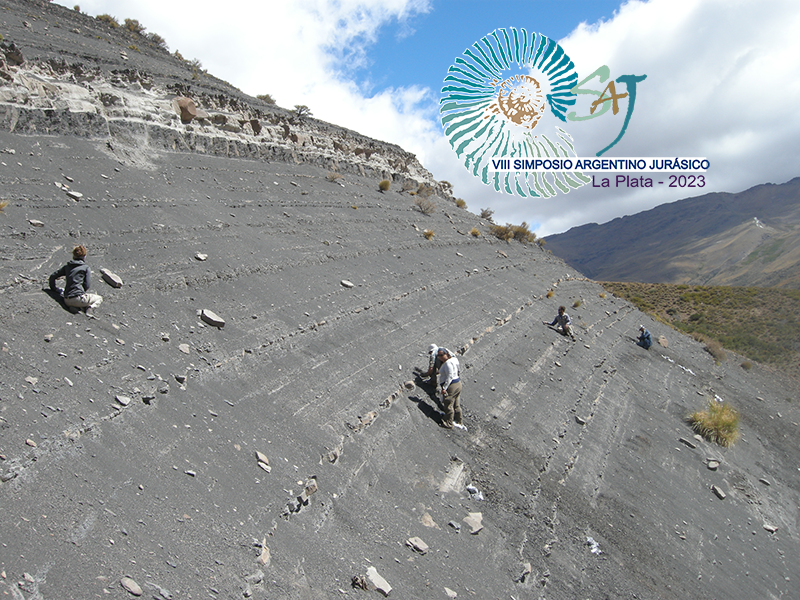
(452, 405)
(85, 300)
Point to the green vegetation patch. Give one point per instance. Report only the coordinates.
(762, 324)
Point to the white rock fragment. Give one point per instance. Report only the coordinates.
(184, 348)
(111, 278)
(594, 547)
(450, 593)
(264, 558)
(409, 385)
(347, 284)
(379, 582)
(32, 380)
(770, 528)
(718, 491)
(131, 586)
(712, 464)
(475, 522)
(74, 195)
(417, 545)
(211, 318)
(36, 222)
(200, 256)
(123, 400)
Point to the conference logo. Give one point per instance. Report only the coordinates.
(507, 110)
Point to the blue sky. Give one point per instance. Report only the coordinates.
(419, 49)
(723, 80)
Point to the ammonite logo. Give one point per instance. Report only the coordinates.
(507, 97)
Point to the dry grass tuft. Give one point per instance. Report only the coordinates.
(333, 176)
(460, 203)
(475, 232)
(715, 349)
(428, 233)
(747, 365)
(508, 232)
(425, 205)
(718, 424)
(577, 303)
(3, 205)
(384, 185)
(550, 293)
(602, 294)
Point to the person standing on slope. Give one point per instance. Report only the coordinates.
(450, 384)
(78, 281)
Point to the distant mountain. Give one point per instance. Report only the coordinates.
(747, 239)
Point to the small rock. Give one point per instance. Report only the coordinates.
(663, 341)
(184, 348)
(580, 421)
(379, 582)
(180, 379)
(164, 337)
(211, 318)
(48, 337)
(687, 442)
(74, 195)
(718, 491)
(474, 520)
(265, 467)
(163, 388)
(32, 380)
(450, 593)
(347, 284)
(131, 586)
(409, 385)
(111, 278)
(36, 222)
(417, 545)
(200, 256)
(190, 473)
(454, 525)
(713, 465)
(264, 558)
(770, 528)
(30, 443)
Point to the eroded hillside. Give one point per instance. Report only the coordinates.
(128, 442)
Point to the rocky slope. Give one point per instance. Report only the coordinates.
(745, 239)
(291, 451)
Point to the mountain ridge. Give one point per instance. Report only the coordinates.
(679, 242)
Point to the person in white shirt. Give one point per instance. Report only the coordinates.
(450, 384)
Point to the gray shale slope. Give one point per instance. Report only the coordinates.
(128, 442)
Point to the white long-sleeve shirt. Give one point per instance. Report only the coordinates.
(449, 372)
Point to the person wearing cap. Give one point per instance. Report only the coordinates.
(645, 339)
(434, 364)
(450, 385)
(78, 281)
(563, 323)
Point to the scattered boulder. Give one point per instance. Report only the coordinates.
(36, 222)
(185, 108)
(200, 256)
(111, 278)
(712, 464)
(123, 400)
(379, 582)
(12, 53)
(417, 545)
(718, 492)
(74, 195)
(474, 520)
(347, 284)
(211, 318)
(663, 341)
(263, 461)
(265, 558)
(131, 586)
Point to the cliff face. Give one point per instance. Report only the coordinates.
(245, 417)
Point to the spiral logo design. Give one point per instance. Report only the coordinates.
(505, 97)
